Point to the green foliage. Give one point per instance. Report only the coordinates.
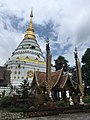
(6, 101)
(86, 67)
(61, 102)
(25, 87)
(45, 97)
(39, 99)
(61, 61)
(73, 71)
(86, 57)
(15, 109)
(3, 93)
(86, 100)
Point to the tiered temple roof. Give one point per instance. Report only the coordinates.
(58, 79)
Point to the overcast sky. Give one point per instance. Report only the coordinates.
(65, 22)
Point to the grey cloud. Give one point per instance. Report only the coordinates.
(68, 19)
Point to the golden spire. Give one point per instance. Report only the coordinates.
(30, 31)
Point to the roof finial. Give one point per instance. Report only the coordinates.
(31, 14)
(75, 49)
(76, 53)
(47, 43)
(47, 40)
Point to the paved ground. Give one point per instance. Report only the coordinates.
(4, 115)
(78, 116)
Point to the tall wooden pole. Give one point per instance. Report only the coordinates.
(48, 68)
(79, 76)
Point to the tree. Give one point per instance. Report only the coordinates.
(25, 87)
(86, 67)
(61, 61)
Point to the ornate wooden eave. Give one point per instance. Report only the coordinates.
(58, 77)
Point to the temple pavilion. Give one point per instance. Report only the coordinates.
(59, 84)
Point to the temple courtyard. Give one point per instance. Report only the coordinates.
(17, 116)
(75, 116)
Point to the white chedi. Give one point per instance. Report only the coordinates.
(26, 58)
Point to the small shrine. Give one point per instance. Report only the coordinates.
(59, 84)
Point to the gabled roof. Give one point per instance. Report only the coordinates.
(63, 80)
(40, 78)
(57, 78)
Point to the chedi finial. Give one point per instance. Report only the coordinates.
(30, 30)
(31, 14)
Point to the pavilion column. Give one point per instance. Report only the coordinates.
(67, 94)
(50, 94)
(60, 94)
(81, 101)
(71, 101)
